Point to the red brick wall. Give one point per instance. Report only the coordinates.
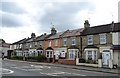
(69, 62)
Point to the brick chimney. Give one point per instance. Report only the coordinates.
(45, 33)
(53, 30)
(86, 24)
(33, 35)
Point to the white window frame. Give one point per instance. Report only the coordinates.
(27, 45)
(30, 45)
(49, 43)
(93, 54)
(62, 53)
(20, 45)
(35, 44)
(40, 51)
(73, 41)
(73, 53)
(102, 38)
(90, 41)
(56, 43)
(64, 41)
(17, 46)
(40, 43)
(49, 54)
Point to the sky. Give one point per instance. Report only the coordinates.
(20, 18)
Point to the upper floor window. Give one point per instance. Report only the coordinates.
(17, 46)
(40, 42)
(20, 45)
(73, 41)
(49, 43)
(90, 39)
(30, 45)
(35, 44)
(102, 38)
(64, 41)
(56, 43)
(27, 45)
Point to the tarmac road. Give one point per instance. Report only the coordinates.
(26, 69)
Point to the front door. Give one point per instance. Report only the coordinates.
(56, 56)
(106, 57)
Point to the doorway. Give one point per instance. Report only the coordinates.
(106, 57)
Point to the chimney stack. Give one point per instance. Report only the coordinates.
(45, 33)
(33, 35)
(86, 24)
(53, 30)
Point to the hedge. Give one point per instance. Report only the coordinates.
(17, 57)
(40, 58)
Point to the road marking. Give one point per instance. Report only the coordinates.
(88, 71)
(40, 66)
(7, 71)
(26, 68)
(48, 74)
(59, 73)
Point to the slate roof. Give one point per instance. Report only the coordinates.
(2, 41)
(49, 35)
(30, 40)
(20, 41)
(42, 37)
(116, 27)
(71, 33)
(54, 36)
(101, 29)
(4, 45)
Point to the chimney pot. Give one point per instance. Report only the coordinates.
(86, 24)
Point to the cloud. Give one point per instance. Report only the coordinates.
(11, 7)
(28, 17)
(63, 15)
(9, 20)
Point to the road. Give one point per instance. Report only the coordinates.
(25, 69)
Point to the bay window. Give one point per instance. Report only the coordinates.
(73, 53)
(49, 54)
(91, 55)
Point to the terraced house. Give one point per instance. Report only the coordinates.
(97, 44)
(18, 47)
(4, 47)
(39, 43)
(71, 41)
(52, 46)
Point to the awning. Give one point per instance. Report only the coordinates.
(73, 47)
(115, 47)
(40, 48)
(49, 48)
(91, 46)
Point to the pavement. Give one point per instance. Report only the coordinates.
(88, 68)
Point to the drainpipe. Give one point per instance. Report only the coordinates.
(81, 45)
